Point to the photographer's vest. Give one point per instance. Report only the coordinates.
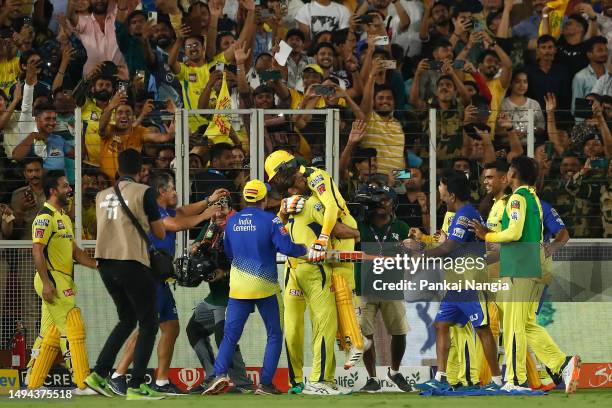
(523, 258)
(117, 237)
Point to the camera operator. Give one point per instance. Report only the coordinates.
(380, 225)
(209, 315)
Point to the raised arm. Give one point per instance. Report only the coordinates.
(105, 119)
(355, 137)
(415, 100)
(173, 62)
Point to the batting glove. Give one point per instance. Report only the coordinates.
(294, 204)
(318, 249)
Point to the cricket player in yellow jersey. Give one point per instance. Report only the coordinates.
(284, 173)
(53, 250)
(521, 271)
(310, 284)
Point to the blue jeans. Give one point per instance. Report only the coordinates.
(238, 311)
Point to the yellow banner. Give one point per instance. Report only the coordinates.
(219, 127)
(555, 17)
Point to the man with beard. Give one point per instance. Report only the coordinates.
(298, 60)
(54, 252)
(548, 75)
(122, 135)
(44, 143)
(572, 45)
(133, 34)
(585, 79)
(166, 84)
(28, 200)
(442, 52)
(435, 25)
(324, 57)
(383, 132)
(383, 228)
(449, 128)
(97, 33)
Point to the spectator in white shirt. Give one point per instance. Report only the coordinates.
(322, 15)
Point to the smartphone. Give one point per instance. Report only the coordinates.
(435, 65)
(195, 25)
(220, 66)
(27, 20)
(549, 148)
(231, 68)
(324, 90)
(122, 87)
(583, 108)
(483, 112)
(458, 64)
(270, 76)
(266, 13)
(599, 163)
(402, 174)
(152, 17)
(478, 26)
(365, 19)
(160, 105)
(382, 40)
(389, 64)
(258, 2)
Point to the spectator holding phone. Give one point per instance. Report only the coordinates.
(432, 69)
(436, 25)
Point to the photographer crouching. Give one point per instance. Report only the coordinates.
(207, 262)
(379, 225)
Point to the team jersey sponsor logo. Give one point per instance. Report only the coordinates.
(515, 215)
(94, 116)
(68, 292)
(39, 233)
(463, 221)
(283, 230)
(316, 180)
(41, 222)
(276, 220)
(193, 77)
(296, 292)
(318, 206)
(321, 188)
(459, 232)
(60, 225)
(514, 204)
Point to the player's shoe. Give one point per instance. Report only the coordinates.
(433, 385)
(217, 385)
(371, 386)
(118, 385)
(144, 393)
(462, 388)
(491, 387)
(355, 354)
(321, 388)
(509, 387)
(296, 389)
(168, 389)
(241, 389)
(571, 373)
(98, 384)
(399, 380)
(84, 392)
(270, 389)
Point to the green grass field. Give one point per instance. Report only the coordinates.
(584, 398)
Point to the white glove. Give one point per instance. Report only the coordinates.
(318, 250)
(294, 204)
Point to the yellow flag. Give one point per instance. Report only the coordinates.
(218, 129)
(555, 17)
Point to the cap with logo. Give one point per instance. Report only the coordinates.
(254, 190)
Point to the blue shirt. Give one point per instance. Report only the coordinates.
(57, 148)
(583, 84)
(551, 220)
(252, 239)
(459, 229)
(169, 242)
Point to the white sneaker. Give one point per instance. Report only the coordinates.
(320, 388)
(355, 354)
(340, 389)
(84, 391)
(571, 374)
(509, 387)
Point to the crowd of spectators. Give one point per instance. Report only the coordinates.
(483, 65)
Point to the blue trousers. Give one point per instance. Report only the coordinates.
(237, 313)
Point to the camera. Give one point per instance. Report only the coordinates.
(191, 270)
(367, 200)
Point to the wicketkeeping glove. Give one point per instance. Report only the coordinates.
(294, 204)
(318, 249)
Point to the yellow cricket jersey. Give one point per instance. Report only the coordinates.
(9, 71)
(495, 215)
(305, 227)
(448, 219)
(53, 228)
(324, 188)
(516, 210)
(193, 81)
(90, 114)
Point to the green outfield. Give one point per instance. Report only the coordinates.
(584, 398)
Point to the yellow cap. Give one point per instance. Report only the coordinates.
(254, 191)
(316, 68)
(274, 160)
